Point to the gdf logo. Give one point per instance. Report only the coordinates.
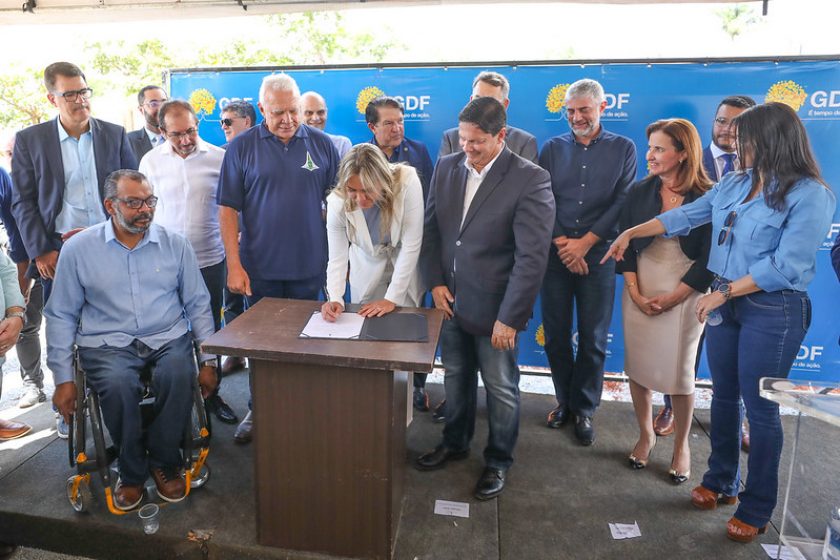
(414, 102)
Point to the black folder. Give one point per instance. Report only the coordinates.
(396, 327)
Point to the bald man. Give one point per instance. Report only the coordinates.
(315, 112)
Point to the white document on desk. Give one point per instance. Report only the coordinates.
(347, 326)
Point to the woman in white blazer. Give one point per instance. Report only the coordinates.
(374, 222)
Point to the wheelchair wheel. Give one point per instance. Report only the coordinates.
(202, 478)
(82, 497)
(97, 429)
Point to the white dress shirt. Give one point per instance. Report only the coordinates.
(720, 161)
(186, 189)
(474, 180)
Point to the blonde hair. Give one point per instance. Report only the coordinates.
(380, 180)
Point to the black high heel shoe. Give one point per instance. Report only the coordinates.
(676, 476)
(637, 463)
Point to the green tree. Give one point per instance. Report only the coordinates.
(23, 98)
(128, 67)
(736, 19)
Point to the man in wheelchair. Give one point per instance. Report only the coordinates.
(129, 295)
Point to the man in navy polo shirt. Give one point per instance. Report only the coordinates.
(273, 181)
(384, 116)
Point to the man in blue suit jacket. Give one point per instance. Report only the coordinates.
(59, 168)
(719, 157)
(488, 227)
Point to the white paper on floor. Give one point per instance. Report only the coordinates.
(457, 509)
(788, 552)
(625, 531)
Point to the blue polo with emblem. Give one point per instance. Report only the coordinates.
(279, 190)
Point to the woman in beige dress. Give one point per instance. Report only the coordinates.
(663, 279)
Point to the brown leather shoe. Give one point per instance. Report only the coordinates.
(703, 498)
(170, 484)
(12, 430)
(663, 424)
(742, 532)
(232, 364)
(745, 436)
(127, 496)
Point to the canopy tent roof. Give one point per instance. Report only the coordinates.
(27, 12)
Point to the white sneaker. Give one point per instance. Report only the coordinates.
(32, 395)
(62, 427)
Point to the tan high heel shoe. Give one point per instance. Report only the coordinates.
(703, 498)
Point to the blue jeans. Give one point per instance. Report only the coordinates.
(578, 379)
(114, 373)
(463, 354)
(759, 337)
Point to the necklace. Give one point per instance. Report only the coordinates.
(674, 195)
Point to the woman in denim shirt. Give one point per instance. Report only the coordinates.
(11, 300)
(768, 222)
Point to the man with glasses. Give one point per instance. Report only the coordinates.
(144, 139)
(272, 189)
(315, 114)
(719, 158)
(184, 174)
(384, 116)
(129, 296)
(58, 172)
(237, 117)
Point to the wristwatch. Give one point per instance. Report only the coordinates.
(211, 363)
(725, 288)
(19, 314)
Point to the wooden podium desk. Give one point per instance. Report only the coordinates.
(330, 428)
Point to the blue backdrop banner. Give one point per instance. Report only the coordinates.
(637, 94)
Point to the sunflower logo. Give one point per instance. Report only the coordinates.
(366, 96)
(203, 102)
(539, 336)
(787, 92)
(556, 99)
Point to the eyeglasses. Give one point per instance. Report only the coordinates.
(84, 93)
(722, 121)
(137, 203)
(727, 227)
(229, 122)
(186, 134)
(154, 103)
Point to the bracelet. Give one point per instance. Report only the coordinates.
(19, 314)
(630, 285)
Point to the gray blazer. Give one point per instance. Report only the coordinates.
(38, 177)
(520, 143)
(140, 143)
(502, 248)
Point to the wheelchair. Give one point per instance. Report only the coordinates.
(90, 455)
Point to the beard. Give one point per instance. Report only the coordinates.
(130, 224)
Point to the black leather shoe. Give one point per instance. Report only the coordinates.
(421, 399)
(584, 431)
(491, 484)
(437, 459)
(439, 413)
(221, 409)
(557, 417)
(6, 550)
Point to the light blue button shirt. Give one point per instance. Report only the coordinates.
(81, 205)
(107, 294)
(10, 295)
(778, 248)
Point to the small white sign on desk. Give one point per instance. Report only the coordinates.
(455, 509)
